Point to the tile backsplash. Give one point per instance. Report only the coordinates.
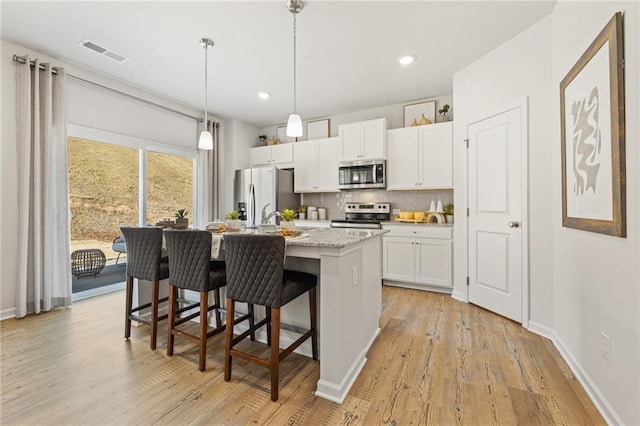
(403, 200)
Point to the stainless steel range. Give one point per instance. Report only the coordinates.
(364, 215)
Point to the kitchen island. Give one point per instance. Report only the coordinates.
(348, 264)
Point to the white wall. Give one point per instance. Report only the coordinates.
(518, 69)
(596, 277)
(87, 106)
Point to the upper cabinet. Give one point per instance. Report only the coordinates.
(316, 165)
(280, 156)
(420, 157)
(363, 140)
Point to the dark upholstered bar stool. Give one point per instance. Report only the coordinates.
(256, 275)
(144, 262)
(191, 269)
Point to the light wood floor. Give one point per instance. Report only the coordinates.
(437, 361)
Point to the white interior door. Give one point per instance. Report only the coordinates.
(496, 214)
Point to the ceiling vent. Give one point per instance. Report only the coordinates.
(101, 50)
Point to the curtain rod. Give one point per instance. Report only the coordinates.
(22, 60)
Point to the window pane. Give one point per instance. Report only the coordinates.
(169, 186)
(103, 192)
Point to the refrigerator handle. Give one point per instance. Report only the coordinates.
(252, 204)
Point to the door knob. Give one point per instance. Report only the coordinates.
(514, 224)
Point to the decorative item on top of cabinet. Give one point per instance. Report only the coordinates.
(281, 133)
(416, 112)
(318, 129)
(262, 138)
(442, 112)
(448, 211)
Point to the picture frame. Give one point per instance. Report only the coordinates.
(318, 129)
(415, 111)
(281, 133)
(592, 126)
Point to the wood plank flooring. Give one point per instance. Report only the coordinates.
(436, 362)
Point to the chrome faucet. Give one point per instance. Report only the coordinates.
(266, 217)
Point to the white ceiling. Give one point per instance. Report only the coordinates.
(347, 50)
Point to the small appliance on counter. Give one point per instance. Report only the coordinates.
(364, 215)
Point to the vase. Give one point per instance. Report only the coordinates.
(182, 222)
(424, 120)
(449, 218)
(302, 216)
(288, 224)
(234, 224)
(414, 123)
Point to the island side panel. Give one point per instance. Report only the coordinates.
(342, 352)
(372, 289)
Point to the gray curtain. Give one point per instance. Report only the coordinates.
(44, 266)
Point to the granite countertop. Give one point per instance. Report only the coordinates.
(332, 237)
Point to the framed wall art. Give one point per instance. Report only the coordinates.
(592, 126)
(416, 111)
(281, 133)
(318, 129)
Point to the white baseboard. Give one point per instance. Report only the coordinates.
(541, 330)
(598, 399)
(460, 296)
(7, 313)
(414, 286)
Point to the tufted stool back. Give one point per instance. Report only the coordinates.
(189, 259)
(255, 265)
(144, 252)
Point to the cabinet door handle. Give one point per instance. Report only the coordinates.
(513, 224)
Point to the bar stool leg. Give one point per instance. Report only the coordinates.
(275, 352)
(129, 303)
(154, 313)
(216, 299)
(204, 304)
(314, 323)
(173, 291)
(268, 315)
(228, 341)
(252, 322)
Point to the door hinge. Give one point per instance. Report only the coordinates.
(466, 142)
(467, 280)
(467, 211)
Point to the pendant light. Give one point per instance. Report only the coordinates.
(294, 124)
(206, 140)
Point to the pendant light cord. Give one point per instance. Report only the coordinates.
(294, 63)
(206, 95)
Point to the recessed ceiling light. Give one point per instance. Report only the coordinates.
(406, 59)
(263, 95)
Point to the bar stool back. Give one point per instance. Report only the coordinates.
(144, 262)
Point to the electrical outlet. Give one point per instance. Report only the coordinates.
(354, 278)
(606, 346)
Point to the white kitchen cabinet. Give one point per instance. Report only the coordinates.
(363, 140)
(316, 165)
(420, 157)
(418, 257)
(280, 156)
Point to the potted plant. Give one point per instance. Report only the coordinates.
(287, 216)
(262, 138)
(181, 218)
(443, 112)
(233, 221)
(448, 211)
(302, 212)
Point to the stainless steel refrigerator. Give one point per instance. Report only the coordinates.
(263, 186)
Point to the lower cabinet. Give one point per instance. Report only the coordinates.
(418, 257)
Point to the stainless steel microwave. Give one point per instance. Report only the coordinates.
(362, 174)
